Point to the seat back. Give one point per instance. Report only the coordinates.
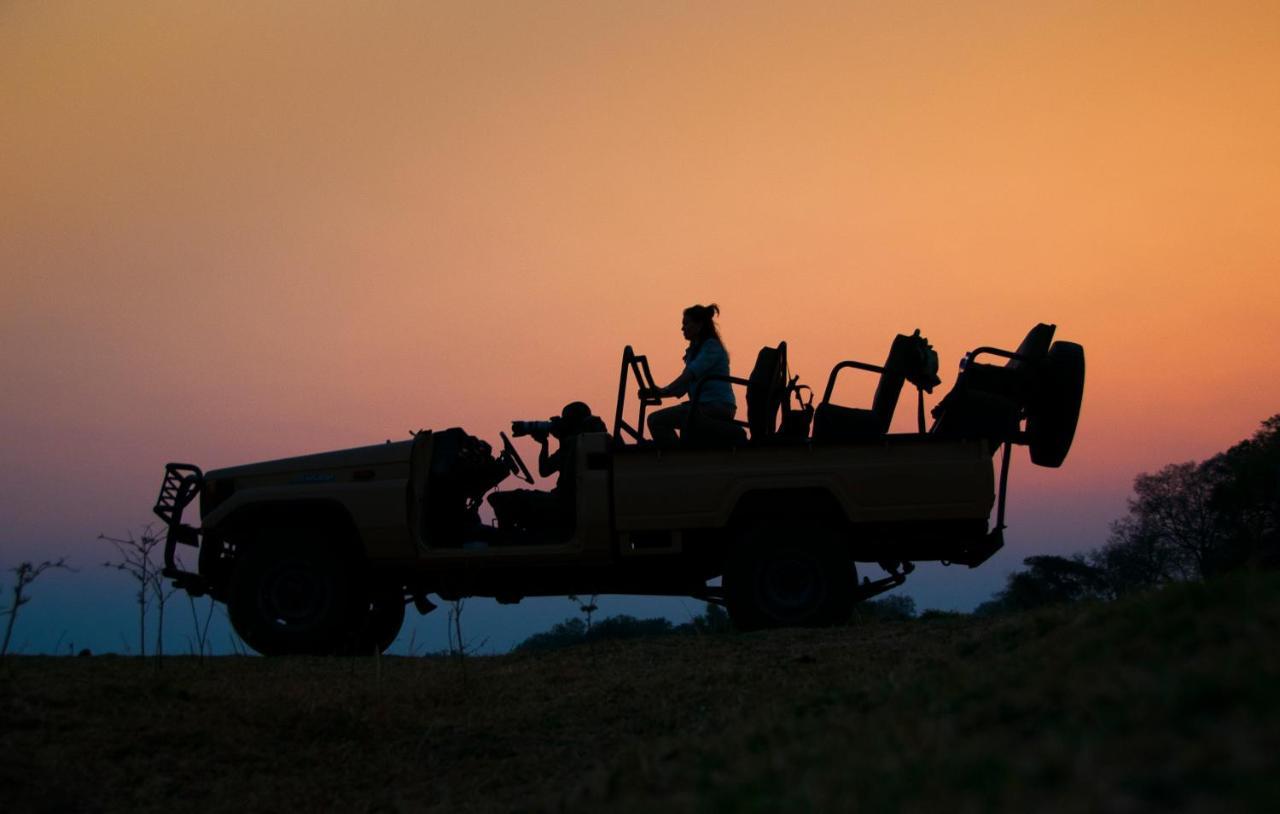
(766, 389)
(889, 390)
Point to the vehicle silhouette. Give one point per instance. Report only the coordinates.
(320, 554)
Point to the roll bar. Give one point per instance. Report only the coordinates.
(635, 365)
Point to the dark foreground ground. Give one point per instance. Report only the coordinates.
(1165, 702)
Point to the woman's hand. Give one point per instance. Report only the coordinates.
(650, 393)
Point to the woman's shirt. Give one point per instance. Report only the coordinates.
(709, 359)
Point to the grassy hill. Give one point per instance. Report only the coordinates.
(1162, 702)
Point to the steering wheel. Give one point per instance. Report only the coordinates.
(513, 461)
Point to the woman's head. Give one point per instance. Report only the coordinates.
(699, 322)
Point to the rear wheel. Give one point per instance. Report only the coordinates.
(293, 596)
(789, 577)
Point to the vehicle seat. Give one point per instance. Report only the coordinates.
(832, 422)
(702, 431)
(766, 388)
(987, 400)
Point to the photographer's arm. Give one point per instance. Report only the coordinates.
(548, 464)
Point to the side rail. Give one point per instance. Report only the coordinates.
(835, 371)
(181, 484)
(637, 366)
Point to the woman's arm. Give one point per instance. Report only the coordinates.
(678, 387)
(703, 362)
(547, 464)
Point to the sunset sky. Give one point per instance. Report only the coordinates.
(236, 231)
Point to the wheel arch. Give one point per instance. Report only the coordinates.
(333, 521)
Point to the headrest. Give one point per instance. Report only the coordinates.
(915, 359)
(1036, 344)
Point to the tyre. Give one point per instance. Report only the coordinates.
(382, 622)
(294, 596)
(789, 577)
(1054, 410)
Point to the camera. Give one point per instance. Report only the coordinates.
(536, 428)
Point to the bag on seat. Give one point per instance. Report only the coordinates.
(797, 418)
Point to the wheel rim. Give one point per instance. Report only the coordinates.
(295, 596)
(790, 587)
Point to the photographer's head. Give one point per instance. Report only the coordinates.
(699, 323)
(575, 413)
(576, 418)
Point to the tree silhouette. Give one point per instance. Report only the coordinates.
(136, 561)
(26, 573)
(1048, 580)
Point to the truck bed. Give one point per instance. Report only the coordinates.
(897, 478)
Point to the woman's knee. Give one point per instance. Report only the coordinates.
(663, 424)
(666, 417)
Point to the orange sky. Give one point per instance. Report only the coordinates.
(234, 232)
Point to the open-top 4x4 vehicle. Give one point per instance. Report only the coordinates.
(321, 553)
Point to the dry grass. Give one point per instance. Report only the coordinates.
(1160, 703)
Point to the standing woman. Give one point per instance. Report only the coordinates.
(704, 357)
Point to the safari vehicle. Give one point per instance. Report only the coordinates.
(322, 553)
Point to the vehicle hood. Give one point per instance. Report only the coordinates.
(373, 455)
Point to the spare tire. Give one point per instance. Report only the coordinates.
(1054, 408)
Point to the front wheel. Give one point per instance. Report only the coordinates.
(789, 577)
(290, 596)
(382, 621)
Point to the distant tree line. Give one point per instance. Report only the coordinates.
(1186, 522)
(715, 620)
(623, 626)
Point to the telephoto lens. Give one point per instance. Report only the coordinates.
(519, 428)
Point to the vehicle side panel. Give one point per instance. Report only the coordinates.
(594, 529)
(900, 478)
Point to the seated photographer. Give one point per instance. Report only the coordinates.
(535, 510)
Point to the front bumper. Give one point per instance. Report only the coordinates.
(181, 484)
